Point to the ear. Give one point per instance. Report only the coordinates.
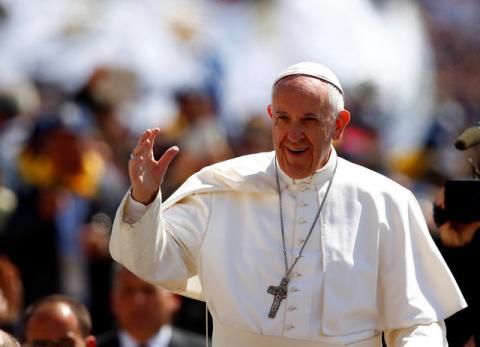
(269, 110)
(343, 118)
(175, 302)
(91, 341)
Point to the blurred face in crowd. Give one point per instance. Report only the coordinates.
(303, 124)
(140, 307)
(54, 324)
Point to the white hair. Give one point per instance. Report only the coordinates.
(335, 99)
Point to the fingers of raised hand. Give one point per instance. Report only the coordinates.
(144, 148)
(168, 156)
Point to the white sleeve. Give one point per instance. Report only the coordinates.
(134, 210)
(161, 246)
(412, 270)
(433, 335)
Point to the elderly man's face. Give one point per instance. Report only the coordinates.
(303, 125)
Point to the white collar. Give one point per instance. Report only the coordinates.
(160, 339)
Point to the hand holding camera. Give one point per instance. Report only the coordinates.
(453, 233)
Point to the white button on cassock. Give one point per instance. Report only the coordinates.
(290, 326)
(291, 308)
(301, 220)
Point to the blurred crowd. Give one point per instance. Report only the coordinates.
(80, 80)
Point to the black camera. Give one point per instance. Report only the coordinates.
(462, 200)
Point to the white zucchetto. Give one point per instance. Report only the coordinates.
(311, 69)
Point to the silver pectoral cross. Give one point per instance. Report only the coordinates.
(279, 292)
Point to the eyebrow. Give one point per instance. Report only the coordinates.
(315, 115)
(281, 113)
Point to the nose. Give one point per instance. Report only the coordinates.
(295, 133)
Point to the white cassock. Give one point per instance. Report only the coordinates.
(370, 264)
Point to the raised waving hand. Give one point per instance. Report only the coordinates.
(146, 174)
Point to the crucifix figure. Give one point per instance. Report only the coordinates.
(280, 293)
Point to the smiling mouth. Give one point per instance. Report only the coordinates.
(297, 151)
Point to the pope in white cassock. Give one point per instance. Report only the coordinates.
(296, 247)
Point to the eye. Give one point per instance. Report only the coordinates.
(281, 119)
(310, 121)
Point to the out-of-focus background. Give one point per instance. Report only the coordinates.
(80, 80)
